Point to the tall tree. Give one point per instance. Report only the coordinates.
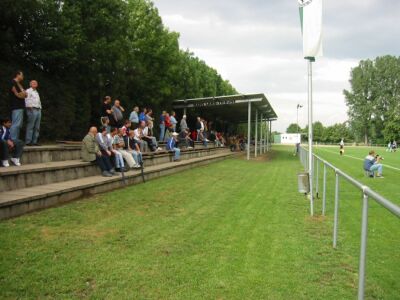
(361, 100)
(374, 96)
(80, 51)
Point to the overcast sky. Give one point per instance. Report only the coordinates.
(257, 46)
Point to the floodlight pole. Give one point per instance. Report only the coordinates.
(298, 127)
(256, 135)
(310, 136)
(248, 129)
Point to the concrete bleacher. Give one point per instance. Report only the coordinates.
(52, 175)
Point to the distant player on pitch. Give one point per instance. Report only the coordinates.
(341, 147)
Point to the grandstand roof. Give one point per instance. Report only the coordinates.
(232, 108)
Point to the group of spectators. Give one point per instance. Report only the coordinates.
(119, 144)
(22, 101)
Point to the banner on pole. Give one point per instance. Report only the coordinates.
(311, 27)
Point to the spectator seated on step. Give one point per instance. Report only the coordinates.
(172, 145)
(185, 139)
(105, 141)
(143, 134)
(134, 148)
(91, 153)
(119, 145)
(125, 130)
(219, 140)
(372, 164)
(9, 149)
(201, 137)
(148, 135)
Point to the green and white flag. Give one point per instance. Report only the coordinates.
(311, 27)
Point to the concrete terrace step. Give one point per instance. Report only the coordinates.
(63, 152)
(43, 154)
(31, 175)
(21, 201)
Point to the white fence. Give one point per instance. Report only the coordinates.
(367, 194)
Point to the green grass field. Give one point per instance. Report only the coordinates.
(231, 230)
(352, 163)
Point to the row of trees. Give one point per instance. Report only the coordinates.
(374, 100)
(80, 51)
(322, 134)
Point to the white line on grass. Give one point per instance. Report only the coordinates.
(385, 165)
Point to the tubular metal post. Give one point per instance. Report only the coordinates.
(336, 217)
(363, 249)
(270, 134)
(261, 134)
(256, 135)
(324, 192)
(317, 179)
(268, 137)
(248, 130)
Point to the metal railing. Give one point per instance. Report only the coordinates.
(367, 194)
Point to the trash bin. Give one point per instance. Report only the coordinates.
(303, 180)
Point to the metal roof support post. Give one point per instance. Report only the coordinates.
(270, 134)
(261, 134)
(268, 121)
(256, 135)
(265, 136)
(184, 111)
(248, 129)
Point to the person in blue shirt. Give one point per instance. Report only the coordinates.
(7, 145)
(134, 118)
(372, 164)
(142, 116)
(172, 145)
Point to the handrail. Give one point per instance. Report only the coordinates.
(366, 194)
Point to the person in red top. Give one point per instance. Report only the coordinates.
(168, 125)
(194, 135)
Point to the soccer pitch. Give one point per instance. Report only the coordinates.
(352, 163)
(231, 230)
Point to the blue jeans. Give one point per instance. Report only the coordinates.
(162, 132)
(33, 127)
(17, 117)
(119, 161)
(377, 167)
(177, 153)
(137, 156)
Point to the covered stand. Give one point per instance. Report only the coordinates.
(236, 109)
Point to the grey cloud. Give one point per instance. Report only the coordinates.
(256, 44)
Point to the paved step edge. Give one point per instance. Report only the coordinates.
(67, 164)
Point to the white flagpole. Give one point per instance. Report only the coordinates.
(310, 136)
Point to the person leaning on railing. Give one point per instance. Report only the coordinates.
(372, 164)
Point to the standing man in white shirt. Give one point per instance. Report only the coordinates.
(34, 113)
